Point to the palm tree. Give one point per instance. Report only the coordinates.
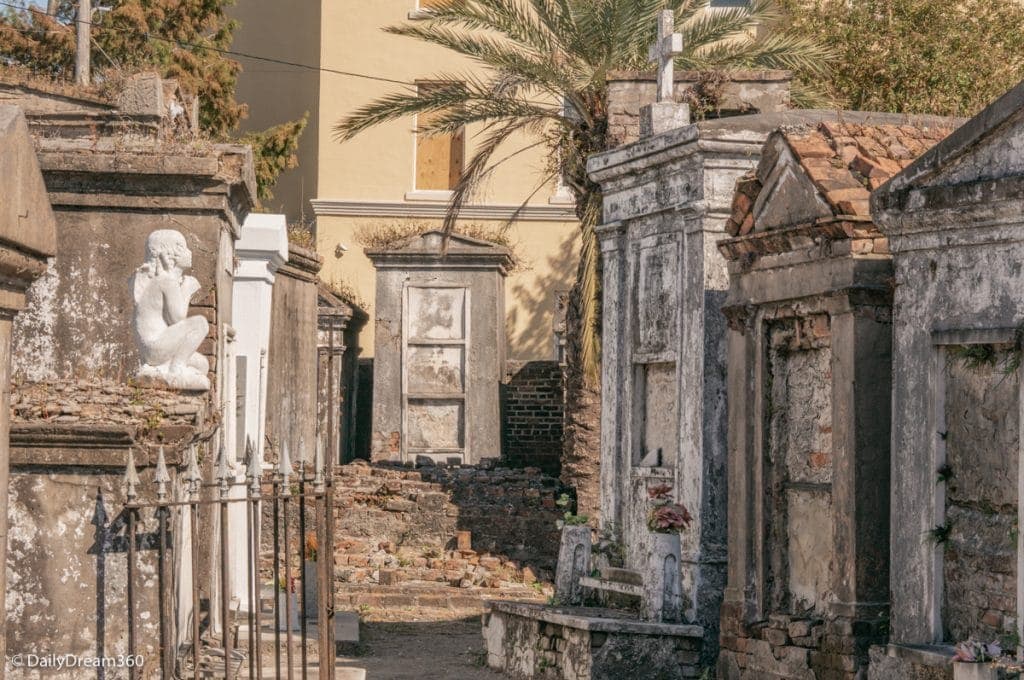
(545, 68)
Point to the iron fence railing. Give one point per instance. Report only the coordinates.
(220, 649)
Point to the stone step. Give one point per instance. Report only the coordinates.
(346, 629)
(619, 575)
(613, 586)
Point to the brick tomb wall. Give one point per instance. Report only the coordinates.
(980, 564)
(533, 405)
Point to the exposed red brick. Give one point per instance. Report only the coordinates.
(819, 459)
(748, 224)
(861, 207)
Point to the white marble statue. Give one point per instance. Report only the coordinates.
(167, 338)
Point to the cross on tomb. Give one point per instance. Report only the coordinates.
(663, 53)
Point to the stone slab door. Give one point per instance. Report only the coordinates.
(435, 352)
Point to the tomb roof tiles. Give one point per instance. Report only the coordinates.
(845, 162)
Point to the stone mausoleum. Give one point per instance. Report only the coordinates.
(955, 224)
(809, 365)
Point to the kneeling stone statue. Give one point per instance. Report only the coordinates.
(167, 338)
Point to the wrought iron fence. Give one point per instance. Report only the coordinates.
(221, 648)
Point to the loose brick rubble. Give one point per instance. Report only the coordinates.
(401, 536)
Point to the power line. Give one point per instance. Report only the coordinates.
(243, 55)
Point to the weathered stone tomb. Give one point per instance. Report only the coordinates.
(955, 224)
(28, 232)
(809, 363)
(666, 203)
(114, 179)
(440, 357)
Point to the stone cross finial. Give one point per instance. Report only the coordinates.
(663, 53)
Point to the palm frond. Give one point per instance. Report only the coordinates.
(475, 99)
(709, 28)
(476, 170)
(539, 69)
(510, 18)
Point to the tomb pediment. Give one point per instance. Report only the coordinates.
(430, 246)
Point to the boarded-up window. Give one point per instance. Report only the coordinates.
(439, 158)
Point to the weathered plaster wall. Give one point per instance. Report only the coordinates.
(67, 569)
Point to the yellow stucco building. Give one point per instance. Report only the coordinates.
(387, 179)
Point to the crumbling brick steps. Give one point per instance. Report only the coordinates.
(465, 526)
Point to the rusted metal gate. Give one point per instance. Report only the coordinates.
(225, 640)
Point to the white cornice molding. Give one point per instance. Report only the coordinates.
(425, 210)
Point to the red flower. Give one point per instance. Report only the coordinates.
(660, 492)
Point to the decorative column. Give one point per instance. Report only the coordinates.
(613, 367)
(27, 239)
(259, 253)
(333, 316)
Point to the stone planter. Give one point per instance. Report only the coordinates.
(663, 593)
(285, 600)
(976, 671)
(573, 563)
(310, 589)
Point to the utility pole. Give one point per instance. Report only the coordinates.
(84, 38)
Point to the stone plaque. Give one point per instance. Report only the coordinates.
(659, 415)
(437, 313)
(435, 424)
(656, 301)
(241, 377)
(436, 370)
(809, 550)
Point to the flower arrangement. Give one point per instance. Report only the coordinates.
(973, 651)
(666, 516)
(312, 547)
